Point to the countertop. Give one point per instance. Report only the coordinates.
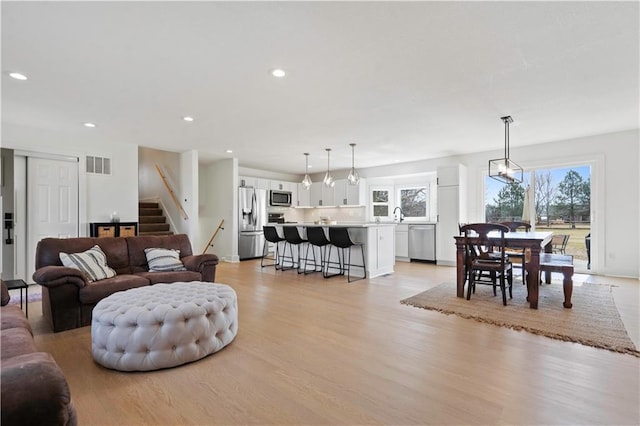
(338, 224)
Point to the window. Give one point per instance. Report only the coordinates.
(414, 202)
(380, 203)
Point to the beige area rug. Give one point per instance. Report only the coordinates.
(594, 319)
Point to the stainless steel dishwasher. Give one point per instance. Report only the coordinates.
(422, 242)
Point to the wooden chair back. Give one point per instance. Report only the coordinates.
(516, 226)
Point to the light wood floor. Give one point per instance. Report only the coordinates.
(316, 351)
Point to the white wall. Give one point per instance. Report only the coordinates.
(266, 174)
(218, 201)
(188, 195)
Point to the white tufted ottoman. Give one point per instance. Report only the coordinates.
(163, 325)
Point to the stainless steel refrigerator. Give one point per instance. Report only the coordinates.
(252, 216)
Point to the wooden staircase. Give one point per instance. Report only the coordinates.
(151, 220)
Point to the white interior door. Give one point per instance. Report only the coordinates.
(52, 203)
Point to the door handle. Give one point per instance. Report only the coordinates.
(254, 203)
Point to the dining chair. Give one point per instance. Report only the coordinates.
(486, 260)
(559, 243)
(513, 253)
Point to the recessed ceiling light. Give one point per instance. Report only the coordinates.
(278, 72)
(229, 151)
(310, 166)
(17, 76)
(187, 118)
(89, 125)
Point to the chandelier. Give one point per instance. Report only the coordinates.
(504, 169)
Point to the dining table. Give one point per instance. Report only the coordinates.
(534, 242)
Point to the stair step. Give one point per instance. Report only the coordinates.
(152, 219)
(153, 227)
(149, 212)
(146, 205)
(156, 233)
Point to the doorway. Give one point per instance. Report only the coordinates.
(559, 201)
(46, 204)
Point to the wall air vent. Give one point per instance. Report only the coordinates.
(98, 165)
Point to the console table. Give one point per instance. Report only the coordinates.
(113, 229)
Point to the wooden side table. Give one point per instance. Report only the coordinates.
(20, 284)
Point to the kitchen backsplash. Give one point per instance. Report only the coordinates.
(351, 214)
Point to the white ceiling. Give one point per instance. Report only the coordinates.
(405, 81)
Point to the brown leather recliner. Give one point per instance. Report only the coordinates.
(33, 389)
(68, 298)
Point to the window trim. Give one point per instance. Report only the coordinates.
(389, 203)
(424, 218)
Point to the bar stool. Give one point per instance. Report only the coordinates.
(317, 238)
(339, 237)
(271, 236)
(292, 238)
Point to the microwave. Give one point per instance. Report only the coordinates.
(280, 198)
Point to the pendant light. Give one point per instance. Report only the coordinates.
(504, 169)
(306, 181)
(328, 180)
(353, 177)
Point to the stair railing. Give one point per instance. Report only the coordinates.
(213, 236)
(173, 195)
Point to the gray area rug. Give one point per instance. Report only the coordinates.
(35, 295)
(594, 319)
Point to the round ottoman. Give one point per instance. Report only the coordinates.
(163, 325)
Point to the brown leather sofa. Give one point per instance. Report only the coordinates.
(68, 298)
(33, 388)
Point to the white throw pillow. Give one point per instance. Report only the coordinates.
(163, 260)
(93, 263)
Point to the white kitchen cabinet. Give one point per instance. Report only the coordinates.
(449, 175)
(350, 195)
(321, 196)
(277, 185)
(402, 242)
(257, 183)
(293, 187)
(315, 194)
(357, 194)
(304, 196)
(380, 250)
(246, 181)
(451, 211)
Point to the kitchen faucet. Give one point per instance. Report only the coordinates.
(401, 213)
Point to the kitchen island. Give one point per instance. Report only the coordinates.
(378, 240)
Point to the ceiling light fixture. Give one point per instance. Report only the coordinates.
(229, 151)
(92, 125)
(306, 181)
(17, 76)
(504, 169)
(278, 73)
(353, 177)
(328, 180)
(187, 118)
